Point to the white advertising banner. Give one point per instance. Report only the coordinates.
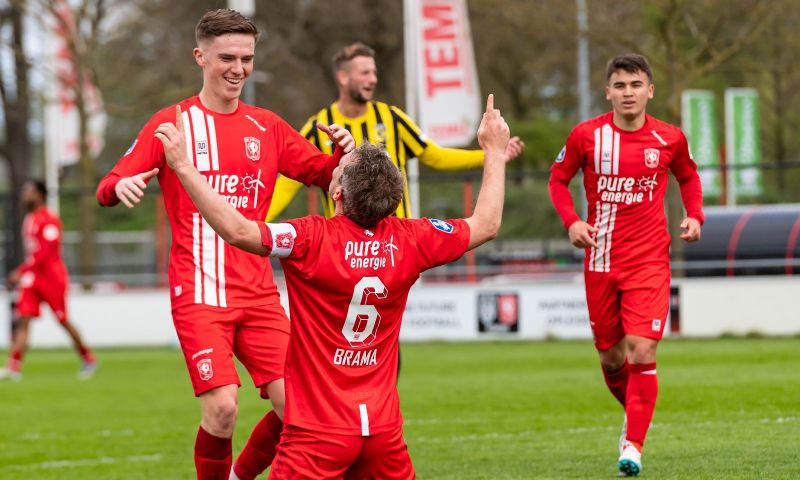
(441, 78)
(439, 313)
(556, 312)
(455, 312)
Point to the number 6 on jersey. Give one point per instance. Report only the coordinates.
(361, 325)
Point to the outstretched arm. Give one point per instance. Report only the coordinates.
(231, 225)
(493, 136)
(450, 159)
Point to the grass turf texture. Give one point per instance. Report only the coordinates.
(727, 409)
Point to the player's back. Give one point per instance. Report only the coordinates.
(348, 288)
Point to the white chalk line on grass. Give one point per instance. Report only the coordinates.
(84, 462)
(476, 437)
(36, 436)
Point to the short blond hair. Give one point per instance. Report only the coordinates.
(345, 54)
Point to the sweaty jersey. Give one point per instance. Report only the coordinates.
(625, 177)
(41, 236)
(240, 154)
(382, 124)
(348, 288)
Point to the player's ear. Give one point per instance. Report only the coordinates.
(198, 57)
(650, 91)
(608, 93)
(337, 193)
(341, 77)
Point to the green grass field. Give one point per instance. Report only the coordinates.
(727, 409)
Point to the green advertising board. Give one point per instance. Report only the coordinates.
(699, 123)
(743, 143)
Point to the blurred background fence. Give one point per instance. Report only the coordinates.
(132, 245)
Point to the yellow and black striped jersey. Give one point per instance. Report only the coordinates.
(381, 124)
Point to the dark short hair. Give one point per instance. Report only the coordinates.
(345, 54)
(39, 185)
(631, 63)
(373, 186)
(216, 23)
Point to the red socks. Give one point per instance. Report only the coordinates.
(617, 382)
(640, 401)
(86, 354)
(212, 456)
(259, 451)
(15, 361)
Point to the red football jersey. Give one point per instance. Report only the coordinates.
(625, 176)
(240, 154)
(41, 234)
(348, 288)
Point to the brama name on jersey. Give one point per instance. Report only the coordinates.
(627, 190)
(237, 190)
(355, 358)
(372, 254)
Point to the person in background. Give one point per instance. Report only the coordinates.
(42, 278)
(625, 156)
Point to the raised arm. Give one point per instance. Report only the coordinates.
(231, 225)
(493, 137)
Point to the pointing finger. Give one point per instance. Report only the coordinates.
(490, 103)
(325, 128)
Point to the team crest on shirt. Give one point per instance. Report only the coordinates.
(441, 225)
(204, 367)
(380, 133)
(651, 157)
(130, 149)
(252, 146)
(561, 155)
(284, 240)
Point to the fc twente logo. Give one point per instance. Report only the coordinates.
(284, 240)
(252, 146)
(651, 157)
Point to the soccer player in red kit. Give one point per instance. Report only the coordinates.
(42, 278)
(348, 279)
(625, 156)
(224, 300)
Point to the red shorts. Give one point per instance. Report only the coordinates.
(306, 454)
(210, 336)
(629, 302)
(33, 293)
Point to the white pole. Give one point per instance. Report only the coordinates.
(410, 25)
(52, 132)
(584, 94)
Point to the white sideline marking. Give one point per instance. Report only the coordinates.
(477, 437)
(85, 462)
(36, 436)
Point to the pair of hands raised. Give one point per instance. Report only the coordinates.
(131, 189)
